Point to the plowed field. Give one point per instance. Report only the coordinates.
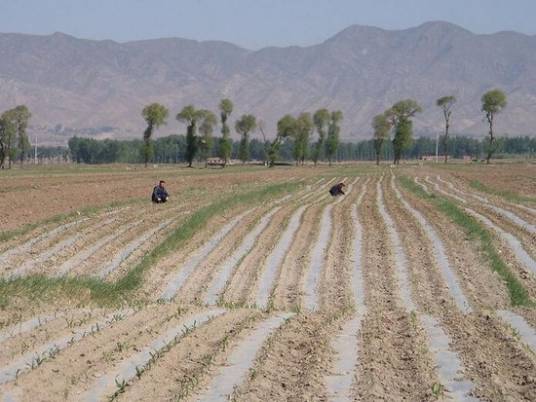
(419, 284)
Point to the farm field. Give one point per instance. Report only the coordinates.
(254, 284)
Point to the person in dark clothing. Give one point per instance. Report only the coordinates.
(159, 193)
(337, 189)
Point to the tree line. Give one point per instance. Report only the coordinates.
(307, 136)
(200, 125)
(173, 149)
(398, 118)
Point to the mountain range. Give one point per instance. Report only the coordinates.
(98, 88)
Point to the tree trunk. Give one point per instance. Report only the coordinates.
(445, 143)
(377, 159)
(491, 139)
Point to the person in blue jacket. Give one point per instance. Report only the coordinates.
(337, 189)
(160, 193)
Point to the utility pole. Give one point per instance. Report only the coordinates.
(35, 150)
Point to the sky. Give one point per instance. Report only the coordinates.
(254, 23)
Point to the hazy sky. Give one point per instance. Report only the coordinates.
(254, 23)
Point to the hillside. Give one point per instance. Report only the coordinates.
(98, 88)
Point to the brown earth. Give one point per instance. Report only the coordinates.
(394, 359)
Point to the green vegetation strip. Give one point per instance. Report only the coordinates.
(507, 195)
(476, 231)
(42, 287)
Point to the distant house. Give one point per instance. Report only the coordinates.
(433, 157)
(215, 162)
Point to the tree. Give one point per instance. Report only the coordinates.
(400, 116)
(334, 129)
(265, 142)
(446, 103)
(4, 140)
(304, 129)
(21, 117)
(191, 116)
(244, 126)
(321, 121)
(206, 128)
(382, 127)
(403, 138)
(8, 133)
(226, 108)
(155, 115)
(286, 127)
(493, 102)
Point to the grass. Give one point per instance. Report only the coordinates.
(476, 231)
(506, 194)
(41, 287)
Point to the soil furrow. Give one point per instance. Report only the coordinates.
(130, 248)
(178, 279)
(228, 266)
(446, 361)
(287, 291)
(393, 363)
(227, 262)
(421, 185)
(186, 366)
(82, 256)
(448, 365)
(400, 259)
(240, 288)
(527, 240)
(521, 327)
(341, 378)
(524, 211)
(492, 359)
(34, 358)
(509, 215)
(515, 245)
(26, 246)
(275, 259)
(30, 336)
(310, 300)
(90, 359)
(26, 326)
(440, 253)
(240, 361)
(129, 368)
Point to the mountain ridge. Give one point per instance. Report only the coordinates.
(98, 87)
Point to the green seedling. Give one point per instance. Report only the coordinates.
(437, 390)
